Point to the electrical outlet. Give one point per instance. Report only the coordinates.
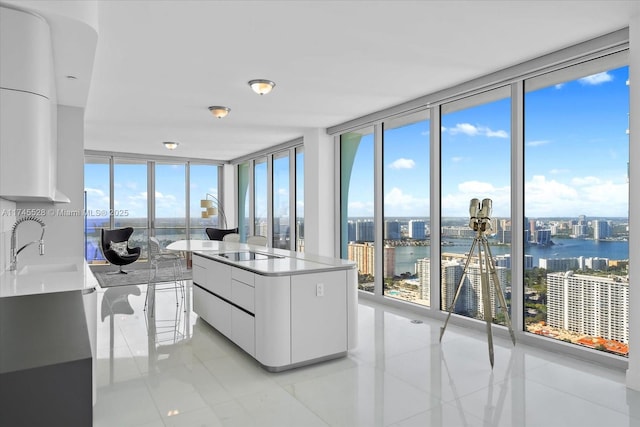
(320, 289)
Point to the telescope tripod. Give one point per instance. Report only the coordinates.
(487, 269)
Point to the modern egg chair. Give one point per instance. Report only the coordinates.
(219, 233)
(115, 247)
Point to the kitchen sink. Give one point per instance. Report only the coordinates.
(47, 268)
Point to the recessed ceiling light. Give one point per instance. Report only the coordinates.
(219, 111)
(261, 86)
(170, 145)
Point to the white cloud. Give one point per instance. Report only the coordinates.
(587, 180)
(96, 192)
(403, 163)
(538, 143)
(471, 130)
(596, 79)
(590, 195)
(457, 203)
(559, 86)
(457, 159)
(398, 203)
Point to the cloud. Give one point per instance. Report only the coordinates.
(96, 192)
(587, 180)
(403, 163)
(596, 79)
(559, 86)
(471, 130)
(590, 195)
(398, 203)
(457, 159)
(538, 143)
(457, 203)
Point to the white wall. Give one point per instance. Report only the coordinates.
(7, 219)
(64, 235)
(319, 200)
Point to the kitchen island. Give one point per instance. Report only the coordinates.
(284, 308)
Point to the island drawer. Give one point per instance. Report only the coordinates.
(242, 295)
(243, 276)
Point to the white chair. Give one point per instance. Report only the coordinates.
(157, 255)
(231, 237)
(257, 240)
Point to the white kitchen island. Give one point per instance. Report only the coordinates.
(286, 309)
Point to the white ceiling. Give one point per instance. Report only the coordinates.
(160, 64)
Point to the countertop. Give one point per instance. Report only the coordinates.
(47, 275)
(279, 262)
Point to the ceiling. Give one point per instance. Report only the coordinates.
(159, 64)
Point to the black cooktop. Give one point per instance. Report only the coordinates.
(247, 256)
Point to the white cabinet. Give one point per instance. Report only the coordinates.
(318, 315)
(25, 146)
(28, 110)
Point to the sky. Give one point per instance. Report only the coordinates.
(576, 154)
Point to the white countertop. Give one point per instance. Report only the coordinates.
(287, 262)
(47, 275)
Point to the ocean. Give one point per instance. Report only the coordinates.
(406, 256)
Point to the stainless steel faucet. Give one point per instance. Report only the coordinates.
(14, 253)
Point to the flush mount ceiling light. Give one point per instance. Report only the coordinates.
(170, 145)
(219, 111)
(261, 86)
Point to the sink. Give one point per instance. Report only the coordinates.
(47, 268)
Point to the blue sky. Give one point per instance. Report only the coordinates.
(576, 154)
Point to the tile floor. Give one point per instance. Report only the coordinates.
(175, 370)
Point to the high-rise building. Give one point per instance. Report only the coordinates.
(392, 230)
(362, 254)
(601, 229)
(590, 305)
(390, 261)
(365, 230)
(417, 229)
(423, 271)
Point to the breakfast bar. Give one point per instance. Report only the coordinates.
(286, 309)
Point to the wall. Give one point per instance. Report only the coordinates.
(7, 218)
(64, 235)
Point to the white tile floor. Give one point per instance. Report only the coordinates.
(175, 370)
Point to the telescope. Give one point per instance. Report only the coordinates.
(480, 222)
(480, 214)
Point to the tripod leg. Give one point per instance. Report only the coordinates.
(486, 299)
(459, 288)
(500, 295)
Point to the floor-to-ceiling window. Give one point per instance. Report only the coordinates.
(577, 205)
(244, 194)
(406, 263)
(299, 205)
(130, 204)
(357, 227)
(475, 157)
(271, 195)
(170, 221)
(203, 185)
(97, 190)
(147, 193)
(260, 198)
(281, 197)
